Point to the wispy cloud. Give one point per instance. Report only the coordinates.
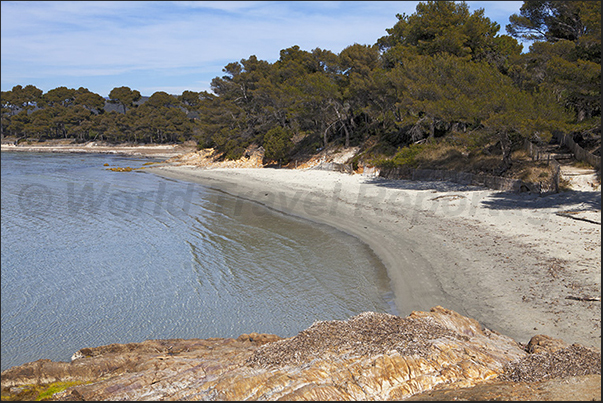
(149, 44)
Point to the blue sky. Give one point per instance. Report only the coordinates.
(176, 46)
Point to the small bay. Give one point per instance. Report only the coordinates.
(92, 257)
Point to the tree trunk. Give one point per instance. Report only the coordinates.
(326, 131)
(347, 135)
(505, 147)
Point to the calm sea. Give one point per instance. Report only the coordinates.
(92, 257)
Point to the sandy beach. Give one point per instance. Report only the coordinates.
(151, 151)
(521, 264)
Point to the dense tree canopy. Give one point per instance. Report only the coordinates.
(441, 27)
(545, 20)
(124, 96)
(565, 58)
(440, 71)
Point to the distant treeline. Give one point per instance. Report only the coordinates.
(439, 71)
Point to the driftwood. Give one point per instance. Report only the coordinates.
(583, 298)
(451, 197)
(568, 214)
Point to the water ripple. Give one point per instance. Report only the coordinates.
(97, 257)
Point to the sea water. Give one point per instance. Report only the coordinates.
(92, 257)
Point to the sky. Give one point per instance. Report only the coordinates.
(175, 46)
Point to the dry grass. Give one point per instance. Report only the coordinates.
(529, 171)
(487, 159)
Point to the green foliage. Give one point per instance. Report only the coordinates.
(89, 100)
(39, 392)
(20, 98)
(566, 57)
(55, 387)
(61, 96)
(407, 156)
(441, 27)
(234, 149)
(441, 73)
(556, 20)
(124, 96)
(277, 144)
(556, 68)
(191, 99)
(161, 99)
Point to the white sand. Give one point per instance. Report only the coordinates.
(507, 260)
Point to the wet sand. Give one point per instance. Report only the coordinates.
(518, 263)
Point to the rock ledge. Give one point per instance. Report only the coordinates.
(436, 355)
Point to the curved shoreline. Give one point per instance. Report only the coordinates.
(150, 151)
(486, 254)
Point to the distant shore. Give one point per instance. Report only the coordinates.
(151, 151)
(515, 262)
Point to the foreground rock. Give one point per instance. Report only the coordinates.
(436, 355)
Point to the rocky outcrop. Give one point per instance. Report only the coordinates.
(372, 356)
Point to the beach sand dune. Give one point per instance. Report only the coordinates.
(521, 264)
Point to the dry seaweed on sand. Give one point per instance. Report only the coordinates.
(363, 335)
(574, 360)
